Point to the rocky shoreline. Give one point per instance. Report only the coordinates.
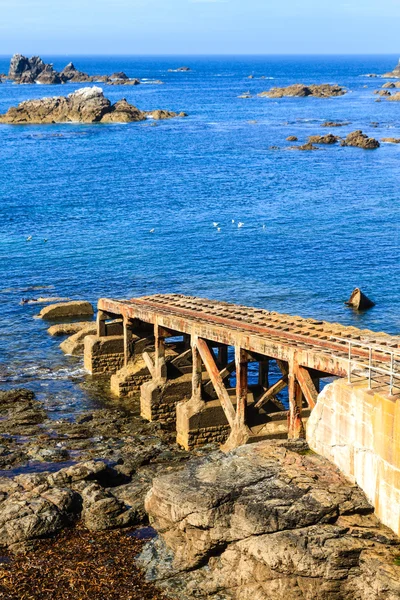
(86, 105)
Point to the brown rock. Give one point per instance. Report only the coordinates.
(395, 97)
(382, 92)
(388, 85)
(66, 328)
(76, 308)
(323, 139)
(334, 124)
(87, 105)
(292, 138)
(299, 90)
(391, 140)
(360, 140)
(308, 146)
(74, 345)
(267, 521)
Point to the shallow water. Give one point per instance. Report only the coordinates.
(94, 191)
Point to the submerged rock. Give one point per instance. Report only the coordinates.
(334, 124)
(292, 138)
(269, 521)
(307, 146)
(391, 140)
(75, 308)
(299, 90)
(179, 70)
(86, 105)
(359, 139)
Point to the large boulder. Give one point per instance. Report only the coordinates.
(75, 308)
(268, 521)
(329, 138)
(123, 112)
(74, 345)
(299, 90)
(359, 139)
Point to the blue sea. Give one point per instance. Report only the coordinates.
(316, 224)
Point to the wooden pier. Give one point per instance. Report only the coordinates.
(183, 350)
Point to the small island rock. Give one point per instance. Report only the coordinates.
(75, 308)
(359, 139)
(299, 90)
(329, 138)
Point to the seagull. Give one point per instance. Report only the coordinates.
(218, 228)
(151, 231)
(28, 239)
(233, 220)
(215, 224)
(240, 224)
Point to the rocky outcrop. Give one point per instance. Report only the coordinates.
(391, 140)
(268, 521)
(359, 139)
(29, 67)
(394, 73)
(329, 138)
(292, 138)
(334, 124)
(179, 70)
(395, 97)
(299, 90)
(71, 73)
(307, 146)
(75, 308)
(48, 76)
(87, 105)
(66, 328)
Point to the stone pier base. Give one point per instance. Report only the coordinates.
(199, 423)
(126, 382)
(103, 355)
(158, 400)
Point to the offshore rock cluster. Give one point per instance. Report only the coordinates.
(86, 105)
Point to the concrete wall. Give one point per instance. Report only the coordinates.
(104, 355)
(359, 431)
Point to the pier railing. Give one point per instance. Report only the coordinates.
(367, 359)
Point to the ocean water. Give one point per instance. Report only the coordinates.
(93, 192)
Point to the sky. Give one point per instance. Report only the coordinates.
(199, 27)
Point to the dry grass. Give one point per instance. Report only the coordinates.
(78, 565)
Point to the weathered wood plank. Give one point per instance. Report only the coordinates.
(241, 385)
(212, 370)
(272, 391)
(160, 366)
(197, 370)
(307, 385)
(149, 363)
(295, 424)
(224, 373)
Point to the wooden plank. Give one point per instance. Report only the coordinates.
(283, 366)
(160, 366)
(295, 424)
(307, 386)
(272, 391)
(197, 370)
(183, 358)
(241, 385)
(149, 363)
(224, 373)
(212, 370)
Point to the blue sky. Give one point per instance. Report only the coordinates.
(199, 26)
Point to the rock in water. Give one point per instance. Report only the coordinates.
(268, 521)
(71, 73)
(86, 105)
(324, 90)
(20, 65)
(394, 73)
(359, 139)
(48, 76)
(359, 301)
(75, 308)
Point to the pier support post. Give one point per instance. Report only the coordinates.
(295, 423)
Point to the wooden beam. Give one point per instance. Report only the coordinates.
(295, 424)
(149, 363)
(182, 359)
(307, 385)
(212, 370)
(241, 385)
(197, 370)
(272, 391)
(224, 373)
(283, 366)
(160, 366)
